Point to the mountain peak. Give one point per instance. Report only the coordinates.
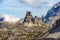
(55, 10)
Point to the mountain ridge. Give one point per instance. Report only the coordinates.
(53, 11)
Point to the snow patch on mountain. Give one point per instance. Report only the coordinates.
(9, 18)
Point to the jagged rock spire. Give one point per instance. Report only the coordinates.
(31, 21)
(28, 13)
(28, 17)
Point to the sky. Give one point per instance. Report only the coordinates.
(18, 8)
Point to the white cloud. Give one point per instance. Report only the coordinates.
(31, 2)
(37, 3)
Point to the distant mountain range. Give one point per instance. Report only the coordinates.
(9, 18)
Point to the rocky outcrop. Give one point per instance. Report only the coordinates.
(28, 18)
(31, 21)
(55, 33)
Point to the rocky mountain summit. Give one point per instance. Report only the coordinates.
(53, 14)
(54, 11)
(30, 21)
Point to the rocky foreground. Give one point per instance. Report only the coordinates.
(22, 33)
